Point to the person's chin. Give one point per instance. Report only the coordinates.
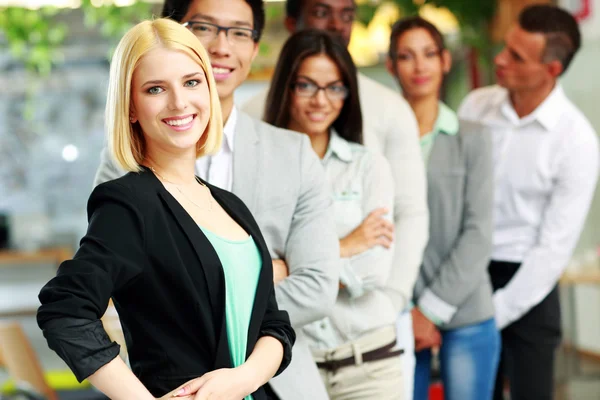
(502, 83)
(318, 127)
(226, 88)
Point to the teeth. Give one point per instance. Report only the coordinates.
(217, 70)
(179, 122)
(317, 115)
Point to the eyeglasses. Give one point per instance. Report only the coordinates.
(336, 91)
(207, 31)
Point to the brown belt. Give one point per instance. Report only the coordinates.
(373, 355)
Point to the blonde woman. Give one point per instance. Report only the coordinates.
(184, 262)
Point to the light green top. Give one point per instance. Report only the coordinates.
(446, 122)
(241, 262)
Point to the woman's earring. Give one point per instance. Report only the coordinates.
(131, 119)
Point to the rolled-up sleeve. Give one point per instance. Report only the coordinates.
(277, 324)
(111, 254)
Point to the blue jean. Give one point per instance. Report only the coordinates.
(469, 359)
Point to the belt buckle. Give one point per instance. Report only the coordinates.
(334, 365)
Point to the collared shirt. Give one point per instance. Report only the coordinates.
(546, 168)
(361, 181)
(390, 128)
(218, 168)
(446, 122)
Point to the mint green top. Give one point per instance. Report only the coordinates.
(446, 122)
(241, 262)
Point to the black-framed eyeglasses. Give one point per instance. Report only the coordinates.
(207, 31)
(335, 91)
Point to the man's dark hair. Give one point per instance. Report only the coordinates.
(560, 28)
(177, 9)
(293, 8)
(300, 46)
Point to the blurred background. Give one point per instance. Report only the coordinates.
(54, 61)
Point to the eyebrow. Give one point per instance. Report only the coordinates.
(213, 20)
(158, 81)
(313, 81)
(429, 47)
(327, 6)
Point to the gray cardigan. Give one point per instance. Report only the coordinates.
(453, 282)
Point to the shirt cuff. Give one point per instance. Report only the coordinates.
(502, 312)
(352, 282)
(436, 309)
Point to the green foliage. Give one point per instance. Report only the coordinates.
(34, 37)
(114, 21)
(473, 16)
(365, 12)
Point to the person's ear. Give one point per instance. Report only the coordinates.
(290, 24)
(446, 61)
(389, 65)
(555, 68)
(256, 50)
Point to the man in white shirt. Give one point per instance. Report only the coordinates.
(546, 166)
(390, 128)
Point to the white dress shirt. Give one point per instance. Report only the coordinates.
(361, 181)
(546, 167)
(390, 128)
(218, 168)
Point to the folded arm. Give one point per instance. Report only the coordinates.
(371, 268)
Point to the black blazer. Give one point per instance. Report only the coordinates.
(166, 281)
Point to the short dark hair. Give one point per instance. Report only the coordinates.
(293, 8)
(560, 28)
(176, 9)
(407, 24)
(297, 48)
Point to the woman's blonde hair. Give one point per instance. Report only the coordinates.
(126, 141)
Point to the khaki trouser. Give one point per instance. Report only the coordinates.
(380, 380)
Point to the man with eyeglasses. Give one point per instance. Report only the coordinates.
(390, 127)
(277, 175)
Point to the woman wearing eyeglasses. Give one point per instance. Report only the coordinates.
(314, 91)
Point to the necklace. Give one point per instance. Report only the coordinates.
(210, 199)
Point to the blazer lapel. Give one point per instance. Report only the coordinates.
(202, 248)
(214, 276)
(246, 160)
(265, 279)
